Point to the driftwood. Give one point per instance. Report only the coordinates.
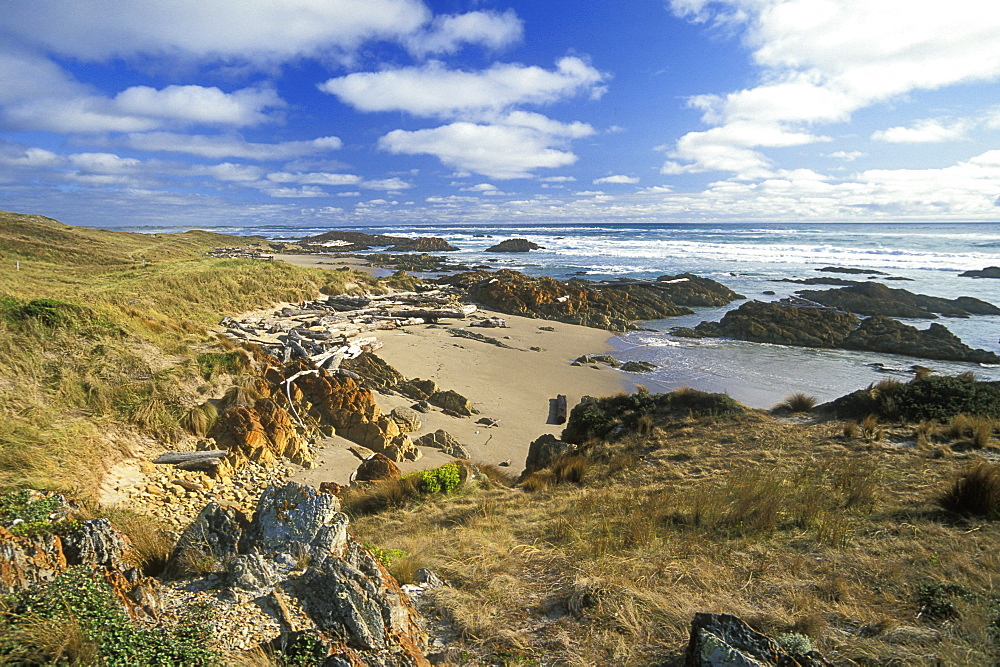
(557, 409)
(181, 458)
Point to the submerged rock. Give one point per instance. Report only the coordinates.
(988, 272)
(877, 299)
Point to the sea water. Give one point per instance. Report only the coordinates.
(751, 259)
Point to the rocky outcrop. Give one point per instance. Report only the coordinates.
(809, 326)
(719, 640)
(604, 306)
(345, 241)
(452, 402)
(687, 289)
(297, 558)
(407, 419)
(988, 272)
(883, 334)
(877, 299)
(373, 371)
(514, 245)
(441, 439)
(423, 244)
(544, 451)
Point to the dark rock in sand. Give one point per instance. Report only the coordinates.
(877, 299)
(988, 272)
(373, 371)
(544, 451)
(514, 245)
(638, 367)
(377, 467)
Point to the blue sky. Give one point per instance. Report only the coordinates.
(364, 112)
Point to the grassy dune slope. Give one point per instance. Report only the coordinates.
(98, 347)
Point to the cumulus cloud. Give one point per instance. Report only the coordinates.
(198, 104)
(923, 132)
(314, 178)
(448, 33)
(510, 148)
(223, 30)
(822, 61)
(620, 179)
(228, 146)
(433, 90)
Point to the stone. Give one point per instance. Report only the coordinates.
(417, 389)
(250, 575)
(374, 372)
(216, 533)
(723, 640)
(96, 543)
(452, 401)
(28, 560)
(988, 272)
(407, 418)
(429, 578)
(376, 468)
(638, 367)
(298, 520)
(423, 244)
(441, 439)
(876, 299)
(544, 451)
(514, 245)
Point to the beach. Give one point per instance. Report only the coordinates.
(509, 386)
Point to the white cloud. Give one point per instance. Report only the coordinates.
(617, 179)
(306, 191)
(846, 156)
(219, 30)
(198, 104)
(229, 172)
(28, 158)
(434, 90)
(104, 163)
(448, 33)
(228, 146)
(928, 131)
(512, 148)
(314, 178)
(823, 60)
(481, 187)
(387, 184)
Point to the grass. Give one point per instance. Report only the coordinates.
(798, 402)
(104, 336)
(793, 527)
(975, 492)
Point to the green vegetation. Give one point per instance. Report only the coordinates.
(938, 397)
(76, 619)
(439, 480)
(104, 339)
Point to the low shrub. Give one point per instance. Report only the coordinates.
(444, 480)
(798, 402)
(976, 492)
(938, 397)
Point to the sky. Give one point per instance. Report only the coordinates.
(210, 113)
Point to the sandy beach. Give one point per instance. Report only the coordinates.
(511, 386)
(327, 262)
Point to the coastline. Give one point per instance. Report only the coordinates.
(512, 386)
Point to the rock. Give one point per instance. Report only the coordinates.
(29, 560)
(850, 270)
(544, 451)
(331, 488)
(452, 401)
(421, 406)
(417, 389)
(96, 543)
(612, 306)
(514, 245)
(376, 468)
(723, 640)
(423, 244)
(988, 272)
(638, 367)
(250, 575)
(687, 289)
(407, 418)
(373, 371)
(441, 439)
(295, 519)
(362, 453)
(876, 299)
(883, 334)
(429, 578)
(344, 241)
(215, 533)
(810, 326)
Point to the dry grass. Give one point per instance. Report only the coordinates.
(975, 492)
(797, 403)
(792, 527)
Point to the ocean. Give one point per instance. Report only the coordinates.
(749, 258)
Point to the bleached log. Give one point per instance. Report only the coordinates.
(185, 457)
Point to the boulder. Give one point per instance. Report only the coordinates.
(297, 520)
(29, 560)
(373, 371)
(452, 401)
(544, 451)
(883, 334)
(441, 439)
(723, 640)
(988, 272)
(514, 245)
(97, 543)
(376, 468)
(423, 244)
(638, 367)
(417, 389)
(876, 299)
(408, 419)
(216, 533)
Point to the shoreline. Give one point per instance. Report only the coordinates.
(512, 386)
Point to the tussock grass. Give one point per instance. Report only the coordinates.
(106, 331)
(797, 403)
(976, 492)
(789, 526)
